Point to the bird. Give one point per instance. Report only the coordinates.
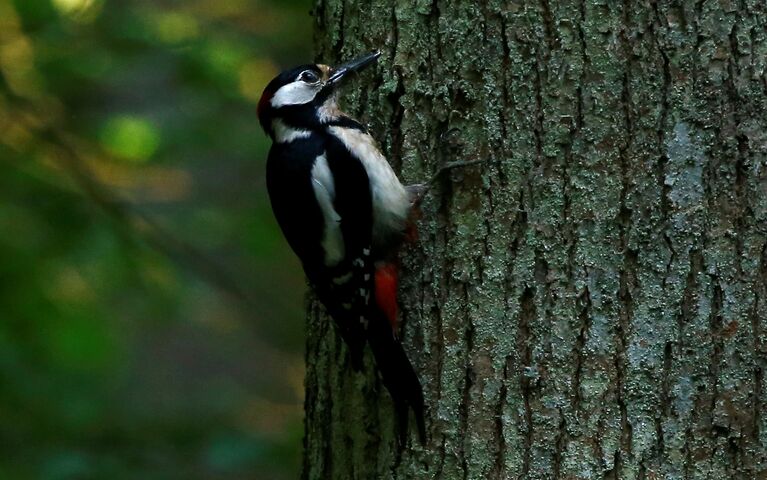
(345, 214)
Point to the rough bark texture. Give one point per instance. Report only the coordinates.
(591, 302)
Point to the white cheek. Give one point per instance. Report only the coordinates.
(296, 93)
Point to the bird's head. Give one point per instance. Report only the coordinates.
(304, 96)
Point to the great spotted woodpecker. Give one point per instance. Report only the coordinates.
(345, 214)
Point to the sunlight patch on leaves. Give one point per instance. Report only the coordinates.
(84, 11)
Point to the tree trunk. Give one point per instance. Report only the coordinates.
(591, 301)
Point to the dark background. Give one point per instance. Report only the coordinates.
(151, 317)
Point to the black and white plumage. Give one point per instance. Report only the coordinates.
(344, 213)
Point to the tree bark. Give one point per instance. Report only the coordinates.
(591, 301)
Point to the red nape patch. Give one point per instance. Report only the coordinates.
(386, 292)
(266, 97)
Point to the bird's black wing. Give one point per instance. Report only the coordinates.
(346, 289)
(289, 182)
(293, 191)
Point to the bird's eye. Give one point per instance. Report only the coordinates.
(309, 76)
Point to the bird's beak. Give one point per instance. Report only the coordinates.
(342, 71)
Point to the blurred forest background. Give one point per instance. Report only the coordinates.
(151, 317)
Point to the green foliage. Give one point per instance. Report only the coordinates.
(150, 313)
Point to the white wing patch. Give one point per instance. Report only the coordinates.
(295, 93)
(325, 192)
(390, 199)
(286, 134)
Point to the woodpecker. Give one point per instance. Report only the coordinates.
(345, 214)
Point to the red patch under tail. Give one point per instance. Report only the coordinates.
(386, 292)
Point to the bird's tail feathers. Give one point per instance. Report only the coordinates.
(397, 375)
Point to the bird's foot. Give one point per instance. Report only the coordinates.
(418, 191)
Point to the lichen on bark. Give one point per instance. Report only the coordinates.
(589, 302)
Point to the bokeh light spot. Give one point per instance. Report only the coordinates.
(224, 58)
(80, 10)
(130, 138)
(254, 75)
(176, 27)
